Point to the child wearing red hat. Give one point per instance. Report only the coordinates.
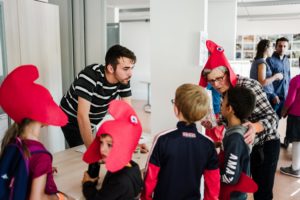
(31, 106)
(180, 157)
(114, 145)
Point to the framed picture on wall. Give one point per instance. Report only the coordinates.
(249, 55)
(248, 38)
(296, 37)
(248, 47)
(295, 62)
(239, 39)
(295, 54)
(238, 55)
(296, 46)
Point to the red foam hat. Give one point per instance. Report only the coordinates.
(245, 184)
(125, 131)
(216, 59)
(21, 98)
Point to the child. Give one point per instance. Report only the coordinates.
(237, 105)
(179, 157)
(114, 145)
(31, 106)
(292, 109)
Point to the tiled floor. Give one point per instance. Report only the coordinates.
(285, 187)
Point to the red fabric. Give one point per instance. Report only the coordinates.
(21, 98)
(221, 159)
(211, 184)
(245, 184)
(216, 133)
(150, 181)
(125, 131)
(216, 59)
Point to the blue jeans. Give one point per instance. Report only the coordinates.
(263, 167)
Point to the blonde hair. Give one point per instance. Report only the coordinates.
(192, 101)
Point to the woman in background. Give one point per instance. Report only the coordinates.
(261, 71)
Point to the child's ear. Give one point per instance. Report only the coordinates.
(176, 111)
(230, 109)
(110, 69)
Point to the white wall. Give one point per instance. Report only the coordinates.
(245, 26)
(95, 31)
(175, 30)
(269, 27)
(136, 37)
(33, 36)
(222, 24)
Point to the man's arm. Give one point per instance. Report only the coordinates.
(84, 122)
(127, 100)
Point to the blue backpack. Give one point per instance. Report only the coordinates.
(14, 171)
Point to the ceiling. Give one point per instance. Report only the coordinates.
(247, 9)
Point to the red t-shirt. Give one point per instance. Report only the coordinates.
(40, 164)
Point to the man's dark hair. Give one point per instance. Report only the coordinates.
(115, 52)
(242, 100)
(282, 39)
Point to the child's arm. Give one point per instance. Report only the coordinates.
(212, 178)
(150, 181)
(152, 170)
(38, 189)
(114, 188)
(233, 149)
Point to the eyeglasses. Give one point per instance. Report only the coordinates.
(216, 80)
(172, 101)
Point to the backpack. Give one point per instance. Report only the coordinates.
(14, 171)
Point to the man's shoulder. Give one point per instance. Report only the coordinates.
(94, 67)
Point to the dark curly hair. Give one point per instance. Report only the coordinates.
(115, 52)
(242, 100)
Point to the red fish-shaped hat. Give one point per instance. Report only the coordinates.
(216, 59)
(21, 97)
(125, 131)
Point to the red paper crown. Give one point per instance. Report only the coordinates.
(21, 98)
(216, 59)
(125, 131)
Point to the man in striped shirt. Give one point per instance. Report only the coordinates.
(87, 100)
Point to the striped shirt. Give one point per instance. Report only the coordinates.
(92, 85)
(263, 111)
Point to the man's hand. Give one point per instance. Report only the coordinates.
(249, 136)
(276, 100)
(278, 76)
